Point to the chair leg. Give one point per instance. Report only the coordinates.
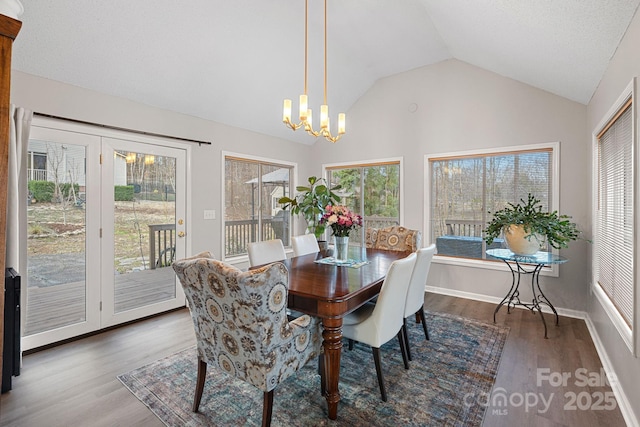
(406, 338)
(403, 349)
(267, 407)
(350, 344)
(376, 360)
(202, 375)
(424, 323)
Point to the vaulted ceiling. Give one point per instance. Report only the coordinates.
(235, 61)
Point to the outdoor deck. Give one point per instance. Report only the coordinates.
(60, 305)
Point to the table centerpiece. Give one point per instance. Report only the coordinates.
(341, 220)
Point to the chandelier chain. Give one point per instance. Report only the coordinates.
(305, 112)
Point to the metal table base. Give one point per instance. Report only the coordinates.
(515, 264)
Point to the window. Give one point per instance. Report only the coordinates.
(250, 215)
(370, 189)
(463, 188)
(614, 244)
(37, 166)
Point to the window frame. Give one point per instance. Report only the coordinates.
(374, 162)
(629, 335)
(554, 201)
(263, 161)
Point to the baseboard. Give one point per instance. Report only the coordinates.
(621, 397)
(496, 300)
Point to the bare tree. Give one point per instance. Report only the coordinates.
(64, 173)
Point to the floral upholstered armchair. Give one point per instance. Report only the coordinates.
(370, 237)
(397, 238)
(241, 324)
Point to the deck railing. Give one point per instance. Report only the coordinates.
(238, 235)
(161, 242)
(379, 221)
(464, 227)
(463, 238)
(37, 174)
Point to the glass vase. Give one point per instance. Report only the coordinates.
(342, 248)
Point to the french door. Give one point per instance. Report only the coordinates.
(143, 229)
(106, 217)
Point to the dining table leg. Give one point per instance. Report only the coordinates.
(332, 343)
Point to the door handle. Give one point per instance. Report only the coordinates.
(181, 234)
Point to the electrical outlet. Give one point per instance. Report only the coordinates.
(209, 214)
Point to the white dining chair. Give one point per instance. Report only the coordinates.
(266, 252)
(415, 294)
(305, 244)
(377, 324)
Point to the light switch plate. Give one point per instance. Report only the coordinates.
(209, 214)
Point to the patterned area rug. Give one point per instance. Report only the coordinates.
(448, 376)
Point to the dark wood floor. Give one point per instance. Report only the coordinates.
(75, 384)
(52, 307)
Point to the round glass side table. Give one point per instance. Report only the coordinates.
(521, 265)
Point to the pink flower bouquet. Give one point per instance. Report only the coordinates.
(341, 220)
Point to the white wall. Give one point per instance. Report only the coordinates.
(56, 98)
(459, 107)
(462, 107)
(624, 65)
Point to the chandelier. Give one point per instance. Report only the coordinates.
(306, 119)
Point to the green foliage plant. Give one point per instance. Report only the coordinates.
(41, 191)
(311, 201)
(123, 193)
(65, 189)
(557, 229)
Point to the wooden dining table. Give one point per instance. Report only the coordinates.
(330, 292)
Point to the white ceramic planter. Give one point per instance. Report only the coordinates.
(520, 242)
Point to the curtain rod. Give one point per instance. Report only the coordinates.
(123, 129)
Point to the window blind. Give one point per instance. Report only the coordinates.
(465, 188)
(614, 220)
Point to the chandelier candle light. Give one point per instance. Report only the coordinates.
(306, 118)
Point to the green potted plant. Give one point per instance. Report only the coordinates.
(311, 201)
(527, 227)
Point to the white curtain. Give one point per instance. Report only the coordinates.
(20, 124)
